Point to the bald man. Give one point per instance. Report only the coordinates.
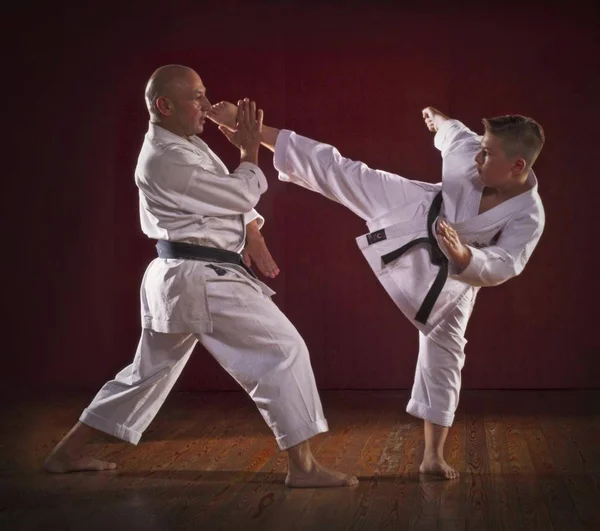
(200, 288)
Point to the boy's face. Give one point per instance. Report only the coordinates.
(495, 169)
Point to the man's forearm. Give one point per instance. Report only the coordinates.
(269, 137)
(252, 229)
(249, 155)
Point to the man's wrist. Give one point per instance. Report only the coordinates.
(249, 155)
(252, 230)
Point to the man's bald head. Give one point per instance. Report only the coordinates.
(167, 81)
(176, 100)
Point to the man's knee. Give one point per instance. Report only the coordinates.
(295, 349)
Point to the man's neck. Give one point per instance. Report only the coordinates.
(172, 129)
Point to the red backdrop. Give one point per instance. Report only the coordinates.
(354, 76)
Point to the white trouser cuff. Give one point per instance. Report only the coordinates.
(302, 434)
(116, 430)
(419, 410)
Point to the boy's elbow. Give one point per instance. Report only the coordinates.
(503, 276)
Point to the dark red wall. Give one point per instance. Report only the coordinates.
(355, 76)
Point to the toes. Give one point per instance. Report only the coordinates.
(451, 474)
(93, 465)
(352, 481)
(101, 465)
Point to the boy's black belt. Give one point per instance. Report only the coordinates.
(437, 258)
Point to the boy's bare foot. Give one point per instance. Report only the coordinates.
(223, 113)
(433, 118)
(438, 467)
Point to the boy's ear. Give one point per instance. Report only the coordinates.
(519, 166)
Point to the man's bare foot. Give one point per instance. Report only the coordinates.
(318, 476)
(69, 454)
(56, 464)
(438, 467)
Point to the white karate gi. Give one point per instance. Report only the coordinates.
(501, 241)
(187, 194)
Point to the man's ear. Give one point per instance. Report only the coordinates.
(164, 105)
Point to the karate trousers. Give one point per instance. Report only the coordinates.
(251, 339)
(436, 388)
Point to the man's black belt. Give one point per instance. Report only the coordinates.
(437, 258)
(190, 251)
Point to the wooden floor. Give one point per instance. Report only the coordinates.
(528, 460)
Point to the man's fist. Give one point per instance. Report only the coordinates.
(433, 118)
(256, 252)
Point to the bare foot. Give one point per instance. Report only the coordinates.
(318, 476)
(438, 467)
(56, 464)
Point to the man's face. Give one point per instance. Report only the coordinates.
(189, 104)
(495, 169)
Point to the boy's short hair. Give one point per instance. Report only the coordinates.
(521, 136)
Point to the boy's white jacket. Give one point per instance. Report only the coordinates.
(501, 240)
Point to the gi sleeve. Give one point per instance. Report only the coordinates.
(251, 216)
(496, 264)
(206, 193)
(453, 136)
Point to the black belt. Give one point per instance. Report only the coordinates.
(437, 258)
(190, 251)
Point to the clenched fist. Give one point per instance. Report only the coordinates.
(433, 118)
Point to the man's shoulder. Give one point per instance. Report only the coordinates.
(177, 152)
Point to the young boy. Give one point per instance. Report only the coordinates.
(432, 246)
